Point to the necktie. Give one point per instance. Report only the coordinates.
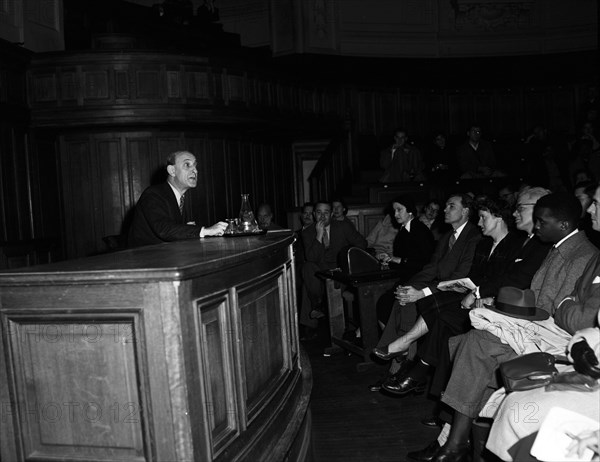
(325, 238)
(452, 241)
(181, 201)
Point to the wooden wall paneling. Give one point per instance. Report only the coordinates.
(112, 167)
(507, 112)
(234, 177)
(563, 110)
(366, 112)
(535, 111)
(46, 208)
(482, 112)
(388, 112)
(433, 115)
(92, 192)
(460, 110)
(215, 187)
(407, 113)
(97, 83)
(68, 85)
(141, 164)
(197, 84)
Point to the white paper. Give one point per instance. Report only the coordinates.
(457, 285)
(555, 435)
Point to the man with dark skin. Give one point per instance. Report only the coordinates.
(562, 285)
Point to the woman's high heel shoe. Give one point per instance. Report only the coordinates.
(383, 353)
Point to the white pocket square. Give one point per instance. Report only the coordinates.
(518, 260)
(596, 280)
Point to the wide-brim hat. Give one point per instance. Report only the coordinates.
(518, 303)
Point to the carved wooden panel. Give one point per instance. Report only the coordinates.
(68, 84)
(77, 386)
(264, 357)
(44, 87)
(122, 84)
(95, 84)
(217, 366)
(197, 85)
(148, 84)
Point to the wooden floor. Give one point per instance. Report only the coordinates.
(351, 423)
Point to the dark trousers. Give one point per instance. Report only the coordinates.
(445, 318)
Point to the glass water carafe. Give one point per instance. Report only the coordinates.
(247, 221)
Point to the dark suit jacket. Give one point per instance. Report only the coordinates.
(157, 218)
(520, 272)
(447, 265)
(486, 268)
(414, 247)
(406, 159)
(469, 160)
(342, 235)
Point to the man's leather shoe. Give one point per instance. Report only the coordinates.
(433, 421)
(462, 454)
(377, 385)
(402, 386)
(404, 367)
(426, 454)
(383, 353)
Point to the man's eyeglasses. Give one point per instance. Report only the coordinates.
(521, 207)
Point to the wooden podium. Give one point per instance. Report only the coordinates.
(183, 351)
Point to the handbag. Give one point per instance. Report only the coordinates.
(529, 371)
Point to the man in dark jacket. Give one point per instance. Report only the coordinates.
(160, 214)
(322, 242)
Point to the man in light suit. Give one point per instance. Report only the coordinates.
(160, 213)
(564, 286)
(323, 241)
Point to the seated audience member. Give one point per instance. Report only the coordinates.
(563, 287)
(265, 218)
(339, 210)
(584, 192)
(413, 245)
(588, 136)
(451, 260)
(323, 241)
(161, 214)
(401, 161)
(430, 213)
(442, 315)
(533, 168)
(432, 218)
(306, 219)
(493, 254)
(476, 158)
(511, 438)
(440, 162)
(509, 193)
(381, 238)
